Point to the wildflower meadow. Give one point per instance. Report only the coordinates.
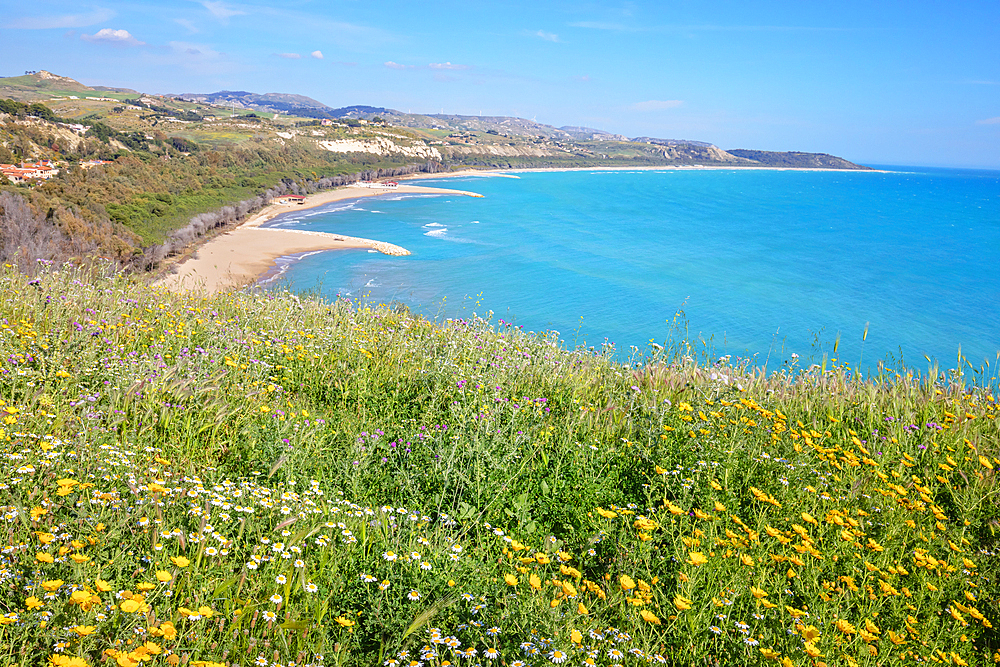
(264, 479)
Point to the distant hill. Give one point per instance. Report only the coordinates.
(42, 85)
(486, 141)
(295, 105)
(115, 90)
(504, 125)
(38, 85)
(668, 142)
(796, 160)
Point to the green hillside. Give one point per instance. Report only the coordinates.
(255, 479)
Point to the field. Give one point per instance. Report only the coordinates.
(271, 480)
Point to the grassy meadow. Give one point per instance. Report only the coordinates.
(263, 479)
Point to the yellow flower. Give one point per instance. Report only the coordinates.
(180, 561)
(52, 585)
(649, 617)
(510, 579)
(812, 650)
(758, 592)
(697, 558)
(568, 571)
(576, 636)
(770, 654)
(343, 621)
(102, 585)
(844, 627)
(43, 557)
(168, 630)
(746, 560)
(810, 633)
(642, 523)
(79, 597)
(719, 507)
(898, 640)
(79, 559)
(795, 613)
(84, 630)
(163, 576)
(580, 609)
(682, 603)
(607, 514)
(625, 581)
(33, 603)
(130, 606)
(542, 558)
(535, 582)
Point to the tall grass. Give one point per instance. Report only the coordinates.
(265, 479)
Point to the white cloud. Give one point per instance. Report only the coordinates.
(193, 57)
(290, 56)
(318, 55)
(392, 65)
(601, 25)
(447, 66)
(547, 36)
(989, 121)
(64, 21)
(112, 36)
(656, 105)
(198, 51)
(221, 10)
(187, 24)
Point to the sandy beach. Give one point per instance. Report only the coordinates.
(239, 257)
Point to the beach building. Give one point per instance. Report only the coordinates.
(29, 171)
(290, 199)
(88, 164)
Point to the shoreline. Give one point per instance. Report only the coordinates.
(244, 254)
(249, 252)
(512, 173)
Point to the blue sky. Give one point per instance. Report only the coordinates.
(913, 82)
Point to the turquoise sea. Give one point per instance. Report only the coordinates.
(762, 264)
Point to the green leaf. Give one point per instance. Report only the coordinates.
(295, 625)
(225, 586)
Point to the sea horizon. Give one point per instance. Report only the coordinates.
(781, 267)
